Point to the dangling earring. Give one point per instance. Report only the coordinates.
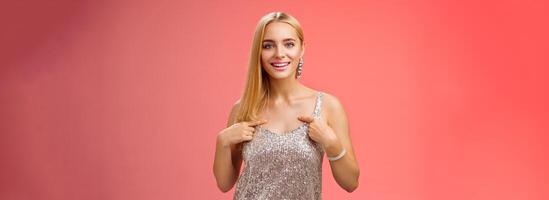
(299, 68)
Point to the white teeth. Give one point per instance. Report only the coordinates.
(280, 64)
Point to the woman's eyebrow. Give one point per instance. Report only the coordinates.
(285, 40)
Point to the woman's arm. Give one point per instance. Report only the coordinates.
(228, 159)
(332, 132)
(345, 170)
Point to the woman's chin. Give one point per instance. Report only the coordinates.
(280, 76)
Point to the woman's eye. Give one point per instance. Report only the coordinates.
(267, 46)
(291, 44)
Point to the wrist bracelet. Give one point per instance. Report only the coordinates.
(340, 155)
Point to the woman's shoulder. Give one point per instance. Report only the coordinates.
(329, 99)
(333, 109)
(330, 102)
(233, 113)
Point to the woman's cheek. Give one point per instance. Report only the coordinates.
(295, 53)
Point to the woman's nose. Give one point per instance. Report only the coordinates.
(279, 52)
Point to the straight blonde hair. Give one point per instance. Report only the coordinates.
(257, 86)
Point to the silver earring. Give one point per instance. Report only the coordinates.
(299, 68)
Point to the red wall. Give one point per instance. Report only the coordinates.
(123, 99)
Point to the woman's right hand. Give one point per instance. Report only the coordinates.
(239, 132)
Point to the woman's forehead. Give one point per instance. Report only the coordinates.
(279, 31)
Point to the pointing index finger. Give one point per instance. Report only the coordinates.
(258, 122)
(306, 119)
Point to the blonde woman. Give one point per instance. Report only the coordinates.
(280, 128)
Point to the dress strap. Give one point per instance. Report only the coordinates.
(318, 105)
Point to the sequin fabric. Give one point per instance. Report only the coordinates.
(282, 165)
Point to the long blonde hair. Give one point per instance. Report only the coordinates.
(257, 86)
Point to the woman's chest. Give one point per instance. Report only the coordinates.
(284, 119)
(268, 145)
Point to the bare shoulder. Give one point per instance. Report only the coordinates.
(232, 115)
(332, 104)
(333, 110)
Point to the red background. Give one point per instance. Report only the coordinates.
(123, 99)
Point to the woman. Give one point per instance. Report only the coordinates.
(281, 128)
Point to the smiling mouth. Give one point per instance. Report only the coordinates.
(280, 66)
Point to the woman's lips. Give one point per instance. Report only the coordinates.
(280, 66)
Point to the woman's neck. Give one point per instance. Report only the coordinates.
(285, 89)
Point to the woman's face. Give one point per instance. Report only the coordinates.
(281, 50)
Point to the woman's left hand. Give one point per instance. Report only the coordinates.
(320, 132)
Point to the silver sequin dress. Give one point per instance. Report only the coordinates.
(282, 165)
